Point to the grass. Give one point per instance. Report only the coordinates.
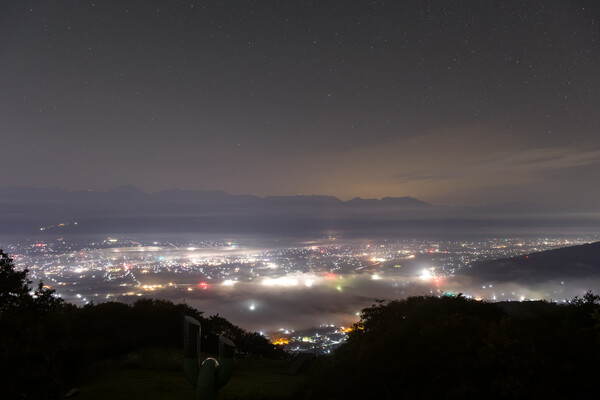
(256, 378)
(157, 374)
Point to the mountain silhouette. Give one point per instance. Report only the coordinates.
(129, 209)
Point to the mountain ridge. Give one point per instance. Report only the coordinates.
(128, 191)
(128, 209)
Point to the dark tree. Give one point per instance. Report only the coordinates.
(14, 285)
(15, 290)
(32, 336)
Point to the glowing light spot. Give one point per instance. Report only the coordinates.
(426, 275)
(283, 281)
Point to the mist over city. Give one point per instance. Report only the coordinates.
(265, 283)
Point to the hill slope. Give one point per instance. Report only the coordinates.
(576, 262)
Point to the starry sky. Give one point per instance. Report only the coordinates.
(452, 102)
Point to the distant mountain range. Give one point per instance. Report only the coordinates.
(129, 193)
(129, 209)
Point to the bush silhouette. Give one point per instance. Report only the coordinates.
(452, 347)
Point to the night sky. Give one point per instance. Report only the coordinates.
(452, 102)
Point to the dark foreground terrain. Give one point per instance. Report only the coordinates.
(416, 348)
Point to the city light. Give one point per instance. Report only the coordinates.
(426, 275)
(324, 279)
(283, 281)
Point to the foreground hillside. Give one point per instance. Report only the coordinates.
(56, 344)
(452, 347)
(416, 348)
(156, 374)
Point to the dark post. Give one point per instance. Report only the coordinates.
(191, 349)
(226, 360)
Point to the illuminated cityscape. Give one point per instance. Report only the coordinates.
(279, 288)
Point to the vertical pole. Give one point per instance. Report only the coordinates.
(226, 360)
(191, 349)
